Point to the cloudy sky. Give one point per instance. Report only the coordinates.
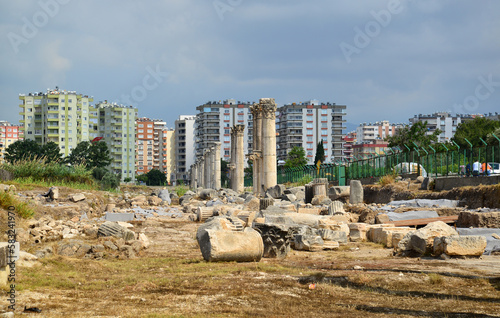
(385, 60)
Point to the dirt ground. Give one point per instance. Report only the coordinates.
(171, 279)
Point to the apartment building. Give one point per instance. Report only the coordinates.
(154, 146)
(117, 129)
(9, 134)
(375, 132)
(64, 117)
(214, 121)
(185, 154)
(306, 124)
(349, 140)
(443, 121)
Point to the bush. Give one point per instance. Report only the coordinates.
(127, 179)
(22, 208)
(98, 173)
(110, 181)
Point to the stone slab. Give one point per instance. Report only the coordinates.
(122, 217)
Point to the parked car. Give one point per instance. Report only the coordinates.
(495, 167)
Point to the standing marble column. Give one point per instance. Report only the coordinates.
(239, 160)
(269, 143)
(217, 184)
(232, 163)
(206, 184)
(194, 176)
(257, 144)
(201, 180)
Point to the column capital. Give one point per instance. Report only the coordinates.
(256, 110)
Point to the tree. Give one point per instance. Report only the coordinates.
(93, 155)
(156, 177)
(79, 154)
(296, 158)
(474, 130)
(98, 155)
(23, 150)
(51, 151)
(491, 139)
(417, 133)
(320, 153)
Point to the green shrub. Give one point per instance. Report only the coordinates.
(22, 208)
(99, 172)
(110, 181)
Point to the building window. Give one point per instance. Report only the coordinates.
(141, 136)
(141, 125)
(226, 117)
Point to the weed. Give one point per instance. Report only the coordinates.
(23, 209)
(181, 190)
(386, 180)
(435, 279)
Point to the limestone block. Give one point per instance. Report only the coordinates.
(384, 235)
(165, 196)
(154, 200)
(54, 193)
(397, 237)
(358, 232)
(305, 242)
(110, 207)
(315, 211)
(382, 218)
(77, 197)
(122, 217)
(144, 240)
(223, 245)
(460, 245)
(328, 223)
(335, 236)
(289, 197)
(420, 242)
(331, 245)
(276, 192)
(247, 217)
(207, 194)
(356, 192)
(370, 229)
(338, 192)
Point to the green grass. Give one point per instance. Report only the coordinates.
(50, 173)
(181, 190)
(23, 209)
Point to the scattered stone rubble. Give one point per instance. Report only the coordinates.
(242, 227)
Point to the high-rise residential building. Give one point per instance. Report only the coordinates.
(117, 129)
(375, 132)
(154, 146)
(184, 146)
(64, 117)
(443, 121)
(9, 134)
(306, 124)
(349, 140)
(493, 116)
(214, 121)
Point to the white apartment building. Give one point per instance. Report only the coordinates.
(375, 132)
(214, 121)
(443, 121)
(306, 124)
(185, 154)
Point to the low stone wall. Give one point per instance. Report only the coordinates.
(448, 183)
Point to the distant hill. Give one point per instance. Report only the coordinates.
(349, 127)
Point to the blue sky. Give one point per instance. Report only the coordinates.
(385, 60)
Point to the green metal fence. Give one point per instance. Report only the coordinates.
(412, 159)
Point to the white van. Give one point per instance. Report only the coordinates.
(495, 167)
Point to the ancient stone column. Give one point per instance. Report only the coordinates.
(269, 142)
(217, 184)
(239, 159)
(232, 162)
(207, 169)
(201, 172)
(194, 176)
(256, 110)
